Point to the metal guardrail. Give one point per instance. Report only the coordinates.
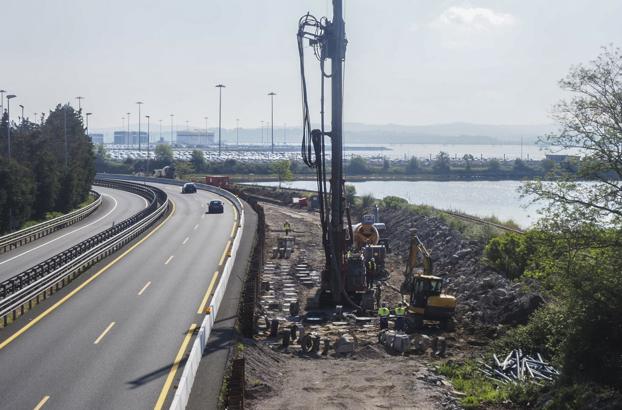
(26, 235)
(28, 287)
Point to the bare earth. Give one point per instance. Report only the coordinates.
(371, 378)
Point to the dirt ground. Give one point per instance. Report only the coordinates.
(369, 378)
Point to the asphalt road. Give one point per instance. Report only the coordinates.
(116, 206)
(114, 340)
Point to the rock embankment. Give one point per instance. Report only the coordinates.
(484, 296)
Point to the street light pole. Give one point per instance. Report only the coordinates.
(2, 102)
(272, 94)
(80, 104)
(206, 132)
(237, 131)
(148, 141)
(139, 104)
(172, 115)
(87, 122)
(220, 87)
(128, 139)
(22, 107)
(262, 134)
(65, 131)
(160, 129)
(8, 124)
(187, 125)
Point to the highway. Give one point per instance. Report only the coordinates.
(112, 340)
(116, 206)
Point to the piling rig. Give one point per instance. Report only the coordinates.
(344, 276)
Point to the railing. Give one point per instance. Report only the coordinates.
(26, 288)
(26, 235)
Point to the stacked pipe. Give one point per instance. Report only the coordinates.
(517, 367)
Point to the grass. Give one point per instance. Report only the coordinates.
(478, 391)
(51, 215)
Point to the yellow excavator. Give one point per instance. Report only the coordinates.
(426, 300)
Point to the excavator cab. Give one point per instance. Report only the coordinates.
(424, 290)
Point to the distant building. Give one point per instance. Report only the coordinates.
(559, 158)
(195, 138)
(123, 138)
(97, 138)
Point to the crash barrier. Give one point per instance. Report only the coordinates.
(27, 288)
(182, 393)
(32, 233)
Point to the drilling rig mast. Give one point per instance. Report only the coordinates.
(341, 277)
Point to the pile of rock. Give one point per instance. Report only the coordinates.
(484, 296)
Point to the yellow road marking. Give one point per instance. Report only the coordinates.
(103, 333)
(170, 258)
(171, 374)
(144, 288)
(185, 240)
(233, 228)
(207, 293)
(222, 258)
(83, 285)
(42, 402)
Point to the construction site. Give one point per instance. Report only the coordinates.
(350, 306)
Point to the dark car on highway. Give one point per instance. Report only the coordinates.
(215, 207)
(189, 188)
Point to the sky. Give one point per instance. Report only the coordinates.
(409, 62)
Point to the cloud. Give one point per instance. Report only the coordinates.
(472, 18)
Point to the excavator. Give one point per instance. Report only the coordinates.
(424, 291)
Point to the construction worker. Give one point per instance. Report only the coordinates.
(400, 313)
(383, 313)
(370, 272)
(287, 228)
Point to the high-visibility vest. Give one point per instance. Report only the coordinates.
(286, 225)
(400, 311)
(383, 312)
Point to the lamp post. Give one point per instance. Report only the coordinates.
(187, 125)
(2, 102)
(206, 132)
(8, 124)
(80, 103)
(128, 140)
(220, 87)
(272, 94)
(160, 130)
(148, 141)
(87, 122)
(22, 107)
(172, 115)
(237, 131)
(285, 134)
(262, 134)
(139, 104)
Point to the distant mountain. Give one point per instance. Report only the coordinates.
(451, 133)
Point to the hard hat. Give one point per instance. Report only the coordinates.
(400, 304)
(384, 304)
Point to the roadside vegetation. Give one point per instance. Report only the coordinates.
(35, 184)
(574, 254)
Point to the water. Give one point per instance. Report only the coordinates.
(479, 198)
(429, 151)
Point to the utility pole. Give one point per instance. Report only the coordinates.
(272, 94)
(139, 103)
(172, 115)
(8, 124)
(237, 131)
(220, 87)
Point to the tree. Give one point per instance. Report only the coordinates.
(282, 170)
(16, 194)
(386, 164)
(520, 166)
(441, 163)
(358, 166)
(350, 193)
(412, 166)
(494, 165)
(197, 159)
(164, 154)
(468, 158)
(592, 121)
